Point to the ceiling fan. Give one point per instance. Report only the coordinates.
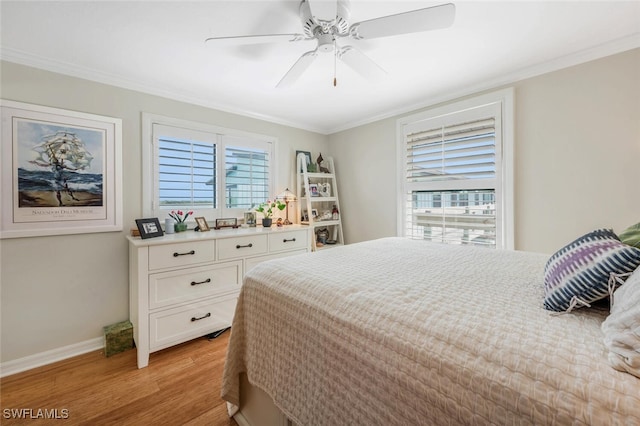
(326, 22)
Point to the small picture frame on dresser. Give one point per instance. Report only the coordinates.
(226, 223)
(149, 228)
(202, 225)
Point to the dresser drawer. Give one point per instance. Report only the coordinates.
(177, 325)
(231, 248)
(184, 285)
(253, 261)
(181, 254)
(280, 241)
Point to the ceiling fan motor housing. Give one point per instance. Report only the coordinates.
(326, 42)
(325, 31)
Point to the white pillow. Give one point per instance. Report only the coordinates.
(622, 327)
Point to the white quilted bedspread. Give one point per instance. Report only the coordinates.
(402, 332)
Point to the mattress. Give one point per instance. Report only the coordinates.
(402, 332)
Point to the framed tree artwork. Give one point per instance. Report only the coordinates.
(61, 171)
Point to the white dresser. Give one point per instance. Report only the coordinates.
(185, 285)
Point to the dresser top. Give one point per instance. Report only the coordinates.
(213, 234)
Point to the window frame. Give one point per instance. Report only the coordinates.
(222, 137)
(504, 181)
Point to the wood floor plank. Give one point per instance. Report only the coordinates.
(181, 385)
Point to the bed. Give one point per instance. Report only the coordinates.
(402, 332)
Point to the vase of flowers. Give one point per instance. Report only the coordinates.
(267, 209)
(180, 217)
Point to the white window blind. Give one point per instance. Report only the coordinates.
(460, 151)
(247, 177)
(212, 171)
(186, 174)
(452, 175)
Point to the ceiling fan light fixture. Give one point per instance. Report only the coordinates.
(326, 42)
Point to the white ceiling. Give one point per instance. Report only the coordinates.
(158, 47)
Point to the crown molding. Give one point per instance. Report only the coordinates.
(72, 70)
(603, 50)
(576, 58)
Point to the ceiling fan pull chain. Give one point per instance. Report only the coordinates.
(335, 61)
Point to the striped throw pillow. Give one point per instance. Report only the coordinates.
(579, 273)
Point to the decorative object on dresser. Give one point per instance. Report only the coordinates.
(202, 225)
(149, 228)
(288, 197)
(250, 219)
(180, 219)
(169, 226)
(226, 223)
(184, 286)
(267, 209)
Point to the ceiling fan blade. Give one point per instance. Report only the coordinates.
(360, 62)
(325, 10)
(430, 18)
(253, 39)
(298, 69)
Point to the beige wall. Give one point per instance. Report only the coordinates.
(61, 290)
(577, 149)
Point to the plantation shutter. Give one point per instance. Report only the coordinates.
(211, 171)
(186, 174)
(450, 177)
(462, 151)
(247, 175)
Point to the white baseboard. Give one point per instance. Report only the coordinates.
(49, 357)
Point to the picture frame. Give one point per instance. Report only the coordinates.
(48, 194)
(250, 219)
(314, 214)
(202, 225)
(149, 228)
(231, 222)
(313, 190)
(324, 189)
(307, 154)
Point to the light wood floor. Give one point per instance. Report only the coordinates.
(181, 386)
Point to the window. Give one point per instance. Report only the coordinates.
(247, 175)
(186, 173)
(213, 171)
(456, 173)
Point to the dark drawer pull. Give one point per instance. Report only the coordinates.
(208, 280)
(203, 317)
(286, 241)
(184, 254)
(248, 245)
